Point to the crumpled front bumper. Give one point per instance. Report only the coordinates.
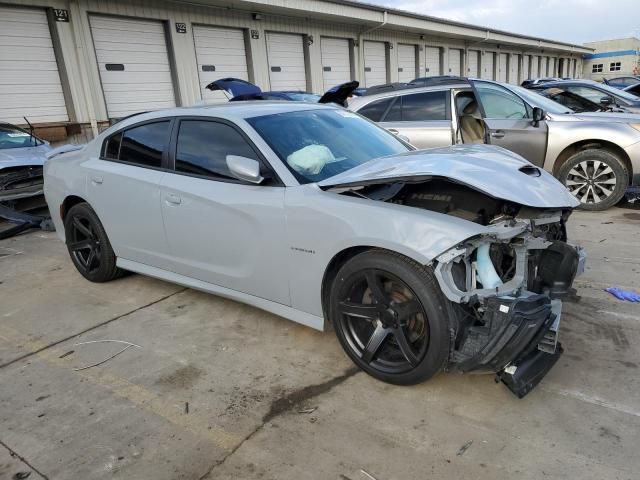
(515, 332)
(518, 341)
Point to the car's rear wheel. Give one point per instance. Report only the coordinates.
(89, 246)
(389, 315)
(597, 178)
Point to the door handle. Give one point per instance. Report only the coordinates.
(497, 134)
(96, 180)
(173, 199)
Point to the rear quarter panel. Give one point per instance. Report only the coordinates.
(63, 176)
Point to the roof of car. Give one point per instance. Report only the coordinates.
(230, 110)
(393, 91)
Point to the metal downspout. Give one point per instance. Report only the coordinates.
(361, 46)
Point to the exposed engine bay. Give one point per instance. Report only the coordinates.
(504, 287)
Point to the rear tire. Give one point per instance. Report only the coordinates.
(597, 178)
(390, 318)
(89, 246)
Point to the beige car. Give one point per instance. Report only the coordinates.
(595, 154)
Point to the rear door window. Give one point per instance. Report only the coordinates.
(142, 145)
(375, 110)
(421, 107)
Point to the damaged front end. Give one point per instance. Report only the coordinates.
(504, 289)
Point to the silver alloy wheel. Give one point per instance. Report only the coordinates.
(591, 181)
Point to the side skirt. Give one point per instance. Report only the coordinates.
(285, 311)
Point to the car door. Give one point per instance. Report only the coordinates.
(123, 187)
(221, 230)
(424, 118)
(508, 122)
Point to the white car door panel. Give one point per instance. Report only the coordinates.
(218, 232)
(219, 229)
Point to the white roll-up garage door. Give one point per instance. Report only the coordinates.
(220, 53)
(133, 64)
(534, 73)
(502, 67)
(526, 59)
(488, 65)
(336, 61)
(285, 55)
(552, 67)
(473, 63)
(544, 66)
(455, 62)
(406, 62)
(432, 61)
(375, 63)
(29, 79)
(513, 68)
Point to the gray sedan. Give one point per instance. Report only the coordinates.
(596, 154)
(421, 261)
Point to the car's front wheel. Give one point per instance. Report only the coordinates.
(89, 246)
(597, 178)
(389, 315)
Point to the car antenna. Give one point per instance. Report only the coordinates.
(33, 139)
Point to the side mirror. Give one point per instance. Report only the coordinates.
(606, 101)
(243, 168)
(538, 116)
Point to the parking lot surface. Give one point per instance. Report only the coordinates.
(215, 389)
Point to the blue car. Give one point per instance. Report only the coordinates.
(242, 90)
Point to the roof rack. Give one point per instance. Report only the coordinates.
(416, 83)
(388, 87)
(439, 80)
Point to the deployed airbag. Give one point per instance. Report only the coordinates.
(311, 159)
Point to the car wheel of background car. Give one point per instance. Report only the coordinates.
(89, 245)
(389, 315)
(595, 177)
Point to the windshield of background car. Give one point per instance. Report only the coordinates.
(304, 97)
(11, 137)
(318, 144)
(536, 100)
(615, 92)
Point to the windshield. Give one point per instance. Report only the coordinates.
(304, 97)
(537, 100)
(318, 144)
(13, 137)
(618, 93)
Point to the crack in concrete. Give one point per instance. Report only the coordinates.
(102, 324)
(285, 404)
(13, 453)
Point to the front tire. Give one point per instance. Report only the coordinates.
(390, 318)
(89, 246)
(597, 178)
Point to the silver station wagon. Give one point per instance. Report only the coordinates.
(595, 154)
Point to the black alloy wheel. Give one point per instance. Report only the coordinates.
(389, 317)
(89, 246)
(84, 245)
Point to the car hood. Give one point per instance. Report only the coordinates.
(27, 156)
(619, 117)
(492, 170)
